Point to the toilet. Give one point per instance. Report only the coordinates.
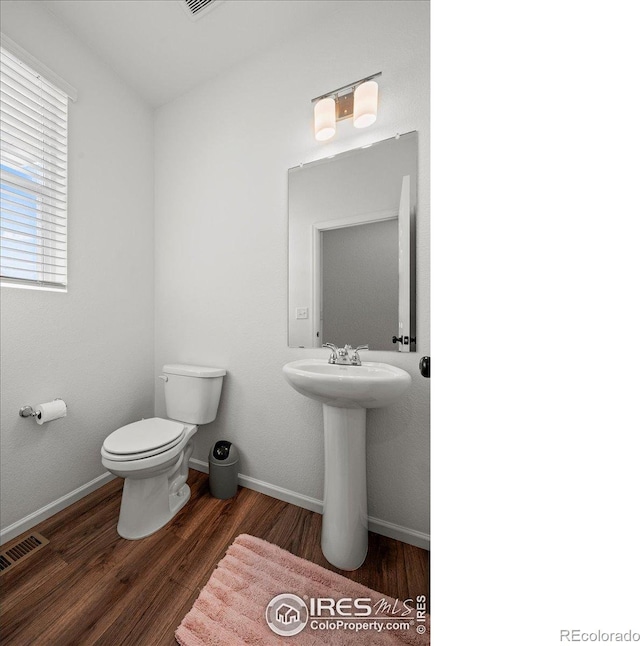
(152, 455)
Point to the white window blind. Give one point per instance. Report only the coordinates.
(33, 128)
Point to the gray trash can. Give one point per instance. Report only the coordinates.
(223, 470)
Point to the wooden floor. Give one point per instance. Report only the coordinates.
(89, 586)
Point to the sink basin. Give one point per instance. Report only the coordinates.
(345, 393)
(371, 385)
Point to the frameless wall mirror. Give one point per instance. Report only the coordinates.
(352, 248)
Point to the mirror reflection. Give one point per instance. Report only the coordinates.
(352, 248)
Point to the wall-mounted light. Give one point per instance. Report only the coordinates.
(358, 100)
(365, 104)
(324, 118)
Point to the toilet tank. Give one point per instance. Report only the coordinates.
(192, 393)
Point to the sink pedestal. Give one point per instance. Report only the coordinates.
(346, 391)
(344, 521)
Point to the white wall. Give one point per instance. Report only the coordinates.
(92, 346)
(222, 154)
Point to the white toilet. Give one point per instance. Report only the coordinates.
(152, 455)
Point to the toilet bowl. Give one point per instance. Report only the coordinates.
(152, 455)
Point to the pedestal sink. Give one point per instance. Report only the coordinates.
(346, 392)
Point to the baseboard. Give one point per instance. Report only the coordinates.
(297, 499)
(400, 533)
(26, 523)
(382, 527)
(199, 465)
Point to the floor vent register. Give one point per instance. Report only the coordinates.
(17, 552)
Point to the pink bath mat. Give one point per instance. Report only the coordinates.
(260, 594)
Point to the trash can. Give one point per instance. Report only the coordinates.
(223, 470)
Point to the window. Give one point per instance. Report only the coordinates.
(33, 164)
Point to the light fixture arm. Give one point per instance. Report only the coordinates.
(352, 86)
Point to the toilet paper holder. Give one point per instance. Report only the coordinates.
(29, 411)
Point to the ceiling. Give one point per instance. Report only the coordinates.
(157, 48)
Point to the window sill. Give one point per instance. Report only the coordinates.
(40, 288)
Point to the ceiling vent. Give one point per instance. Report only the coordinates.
(197, 8)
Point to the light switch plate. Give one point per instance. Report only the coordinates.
(302, 312)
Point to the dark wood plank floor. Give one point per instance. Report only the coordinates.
(89, 586)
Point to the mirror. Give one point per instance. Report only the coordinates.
(352, 248)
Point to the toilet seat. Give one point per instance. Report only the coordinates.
(143, 439)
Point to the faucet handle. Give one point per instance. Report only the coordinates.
(334, 351)
(355, 358)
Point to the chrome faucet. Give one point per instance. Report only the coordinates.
(343, 356)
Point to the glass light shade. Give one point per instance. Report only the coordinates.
(324, 119)
(365, 104)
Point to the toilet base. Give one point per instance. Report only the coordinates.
(155, 488)
(147, 506)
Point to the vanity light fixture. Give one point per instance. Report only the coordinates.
(358, 100)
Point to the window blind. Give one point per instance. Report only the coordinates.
(33, 183)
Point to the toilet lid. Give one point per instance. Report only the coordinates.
(144, 436)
